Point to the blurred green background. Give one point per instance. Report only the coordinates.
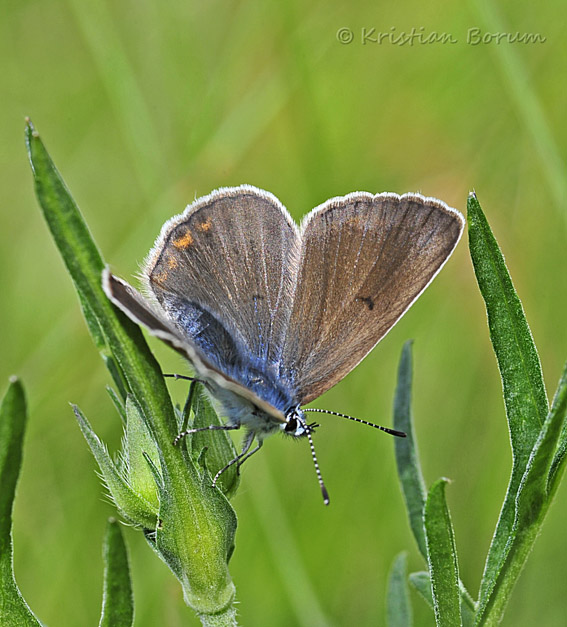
(146, 105)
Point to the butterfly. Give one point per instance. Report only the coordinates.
(271, 314)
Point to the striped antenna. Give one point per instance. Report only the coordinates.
(324, 492)
(399, 434)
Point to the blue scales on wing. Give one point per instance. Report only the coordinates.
(225, 272)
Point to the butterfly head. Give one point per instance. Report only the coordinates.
(295, 423)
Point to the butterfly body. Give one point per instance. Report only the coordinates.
(240, 411)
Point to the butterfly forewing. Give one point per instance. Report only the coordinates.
(224, 272)
(364, 260)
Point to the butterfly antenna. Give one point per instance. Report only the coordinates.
(324, 492)
(399, 434)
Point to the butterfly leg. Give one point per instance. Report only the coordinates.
(183, 434)
(248, 455)
(239, 459)
(180, 377)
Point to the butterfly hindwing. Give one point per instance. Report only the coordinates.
(131, 302)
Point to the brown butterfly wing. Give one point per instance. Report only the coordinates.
(364, 260)
(224, 272)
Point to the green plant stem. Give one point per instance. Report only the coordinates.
(195, 534)
(222, 619)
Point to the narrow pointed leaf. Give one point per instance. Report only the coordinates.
(133, 506)
(156, 474)
(118, 404)
(137, 443)
(122, 338)
(468, 607)
(407, 459)
(219, 445)
(442, 558)
(532, 503)
(93, 325)
(399, 606)
(522, 381)
(117, 375)
(117, 598)
(558, 463)
(422, 583)
(14, 611)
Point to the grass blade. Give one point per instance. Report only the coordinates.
(442, 557)
(529, 107)
(117, 598)
(522, 381)
(14, 611)
(399, 606)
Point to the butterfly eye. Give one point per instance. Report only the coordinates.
(291, 425)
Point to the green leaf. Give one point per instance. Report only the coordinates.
(132, 505)
(93, 325)
(442, 557)
(14, 611)
(522, 381)
(138, 441)
(399, 606)
(118, 404)
(117, 377)
(122, 338)
(558, 463)
(407, 458)
(422, 583)
(219, 445)
(468, 608)
(117, 598)
(532, 503)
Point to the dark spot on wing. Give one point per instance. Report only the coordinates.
(367, 301)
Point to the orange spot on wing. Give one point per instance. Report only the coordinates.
(205, 226)
(172, 262)
(159, 278)
(184, 241)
